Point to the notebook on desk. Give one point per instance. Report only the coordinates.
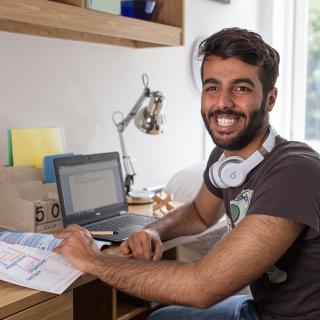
(92, 195)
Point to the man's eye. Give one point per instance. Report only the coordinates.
(241, 90)
(211, 88)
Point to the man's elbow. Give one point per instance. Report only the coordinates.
(199, 292)
(203, 301)
(203, 298)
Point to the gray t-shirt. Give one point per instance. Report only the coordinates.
(285, 184)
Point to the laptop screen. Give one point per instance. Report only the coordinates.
(90, 187)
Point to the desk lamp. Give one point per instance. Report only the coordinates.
(149, 119)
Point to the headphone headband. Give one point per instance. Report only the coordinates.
(271, 140)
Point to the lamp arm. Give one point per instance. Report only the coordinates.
(124, 123)
(121, 126)
(127, 164)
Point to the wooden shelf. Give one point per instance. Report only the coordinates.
(61, 20)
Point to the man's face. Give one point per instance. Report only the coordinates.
(232, 104)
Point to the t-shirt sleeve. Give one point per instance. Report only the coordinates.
(291, 190)
(214, 156)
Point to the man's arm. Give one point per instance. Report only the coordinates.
(192, 218)
(245, 254)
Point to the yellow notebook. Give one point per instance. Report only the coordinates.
(29, 146)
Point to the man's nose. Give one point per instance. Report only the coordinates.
(224, 100)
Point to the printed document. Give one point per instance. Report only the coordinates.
(26, 259)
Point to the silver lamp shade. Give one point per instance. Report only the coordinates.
(151, 119)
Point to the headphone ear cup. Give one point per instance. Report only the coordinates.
(214, 175)
(232, 173)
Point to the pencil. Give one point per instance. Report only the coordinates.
(103, 233)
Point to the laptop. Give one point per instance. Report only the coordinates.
(92, 195)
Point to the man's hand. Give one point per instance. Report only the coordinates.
(78, 247)
(144, 244)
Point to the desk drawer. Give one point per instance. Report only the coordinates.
(58, 308)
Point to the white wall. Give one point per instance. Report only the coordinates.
(76, 85)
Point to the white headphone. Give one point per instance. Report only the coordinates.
(232, 171)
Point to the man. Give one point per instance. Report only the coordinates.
(274, 207)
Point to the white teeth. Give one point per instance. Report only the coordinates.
(226, 121)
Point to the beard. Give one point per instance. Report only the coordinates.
(256, 120)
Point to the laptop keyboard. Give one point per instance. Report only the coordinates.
(121, 222)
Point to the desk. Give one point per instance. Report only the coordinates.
(87, 298)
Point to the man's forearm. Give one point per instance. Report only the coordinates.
(193, 218)
(166, 282)
(185, 220)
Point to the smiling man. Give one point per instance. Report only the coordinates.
(268, 186)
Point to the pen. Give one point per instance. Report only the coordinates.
(103, 233)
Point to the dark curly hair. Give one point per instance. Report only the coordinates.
(246, 46)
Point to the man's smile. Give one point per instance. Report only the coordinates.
(225, 121)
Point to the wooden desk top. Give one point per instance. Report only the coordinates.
(15, 298)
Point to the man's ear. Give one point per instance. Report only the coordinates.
(271, 100)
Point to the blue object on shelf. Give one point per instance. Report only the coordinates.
(49, 175)
(140, 9)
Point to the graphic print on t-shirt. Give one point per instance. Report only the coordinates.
(238, 210)
(275, 275)
(239, 206)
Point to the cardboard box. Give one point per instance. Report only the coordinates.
(30, 206)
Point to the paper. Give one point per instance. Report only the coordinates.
(34, 268)
(26, 259)
(41, 241)
(30, 146)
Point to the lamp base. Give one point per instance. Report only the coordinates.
(140, 197)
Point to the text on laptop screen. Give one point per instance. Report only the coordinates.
(88, 187)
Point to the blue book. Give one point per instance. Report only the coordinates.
(48, 167)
